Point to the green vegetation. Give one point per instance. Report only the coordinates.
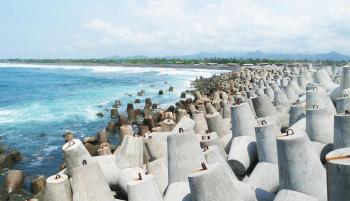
(158, 61)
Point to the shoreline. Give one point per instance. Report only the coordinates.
(180, 66)
(27, 183)
(207, 132)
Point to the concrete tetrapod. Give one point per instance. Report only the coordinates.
(341, 131)
(226, 143)
(320, 99)
(74, 153)
(210, 139)
(281, 98)
(296, 112)
(250, 103)
(185, 123)
(58, 188)
(242, 120)
(294, 84)
(302, 81)
(216, 124)
(126, 175)
(179, 114)
(201, 123)
(299, 125)
(274, 118)
(243, 154)
(212, 155)
(269, 92)
(319, 125)
(89, 184)
(289, 195)
(226, 110)
(299, 166)
(178, 191)
(211, 183)
(266, 135)
(210, 108)
(144, 188)
(264, 176)
(109, 169)
(157, 146)
(250, 193)
(159, 169)
(338, 174)
(125, 130)
(184, 155)
(263, 106)
(167, 125)
(321, 76)
(322, 149)
(130, 153)
(342, 104)
(291, 93)
(345, 78)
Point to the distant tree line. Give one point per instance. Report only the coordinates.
(214, 60)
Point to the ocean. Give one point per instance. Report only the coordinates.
(38, 103)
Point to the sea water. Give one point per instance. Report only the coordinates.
(38, 103)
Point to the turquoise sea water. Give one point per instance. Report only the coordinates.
(39, 103)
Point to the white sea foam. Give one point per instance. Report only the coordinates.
(45, 114)
(8, 115)
(120, 69)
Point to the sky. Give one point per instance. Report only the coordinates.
(102, 28)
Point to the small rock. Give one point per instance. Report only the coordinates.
(100, 114)
(16, 156)
(38, 184)
(5, 161)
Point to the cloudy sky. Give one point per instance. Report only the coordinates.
(100, 28)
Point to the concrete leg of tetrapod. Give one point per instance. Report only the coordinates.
(211, 183)
(58, 188)
(338, 174)
(144, 188)
(299, 167)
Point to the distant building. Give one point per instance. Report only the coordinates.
(263, 64)
(233, 64)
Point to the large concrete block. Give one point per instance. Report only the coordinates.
(299, 167)
(184, 155)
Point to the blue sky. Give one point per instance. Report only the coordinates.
(99, 28)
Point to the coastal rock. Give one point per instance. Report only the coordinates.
(14, 181)
(100, 114)
(5, 161)
(38, 184)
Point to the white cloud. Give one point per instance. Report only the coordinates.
(168, 27)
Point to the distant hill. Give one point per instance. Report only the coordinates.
(333, 56)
